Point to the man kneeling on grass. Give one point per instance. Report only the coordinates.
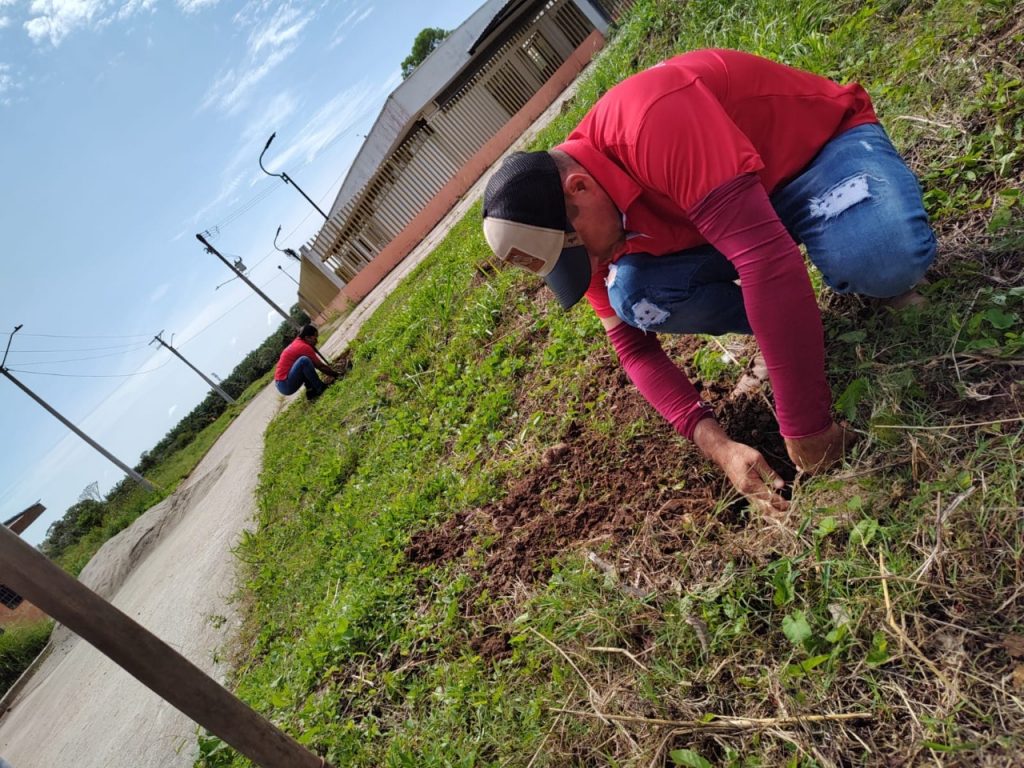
(676, 206)
(298, 365)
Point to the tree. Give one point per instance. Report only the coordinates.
(426, 41)
(91, 491)
(79, 519)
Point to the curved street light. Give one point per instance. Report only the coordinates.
(289, 252)
(285, 177)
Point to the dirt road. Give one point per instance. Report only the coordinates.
(173, 572)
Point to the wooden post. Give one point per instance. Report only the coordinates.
(147, 658)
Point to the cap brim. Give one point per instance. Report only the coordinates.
(570, 278)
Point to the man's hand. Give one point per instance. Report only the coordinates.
(819, 452)
(745, 467)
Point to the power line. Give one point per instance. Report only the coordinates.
(303, 219)
(216, 388)
(246, 206)
(90, 375)
(215, 230)
(62, 336)
(81, 359)
(6, 372)
(206, 327)
(230, 309)
(79, 349)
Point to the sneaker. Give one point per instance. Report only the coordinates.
(909, 299)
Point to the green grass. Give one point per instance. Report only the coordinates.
(886, 594)
(19, 645)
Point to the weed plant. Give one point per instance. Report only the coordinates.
(395, 618)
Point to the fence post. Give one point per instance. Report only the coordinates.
(147, 658)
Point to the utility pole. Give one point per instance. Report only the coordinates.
(146, 657)
(247, 281)
(124, 467)
(227, 398)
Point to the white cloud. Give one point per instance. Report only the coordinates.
(159, 293)
(253, 11)
(231, 91)
(131, 7)
(334, 119)
(354, 17)
(7, 84)
(226, 194)
(270, 44)
(5, 21)
(54, 20)
(282, 30)
(171, 410)
(194, 6)
(243, 161)
(273, 319)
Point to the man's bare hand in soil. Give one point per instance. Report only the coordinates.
(819, 452)
(745, 467)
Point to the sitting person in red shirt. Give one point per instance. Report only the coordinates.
(298, 365)
(676, 206)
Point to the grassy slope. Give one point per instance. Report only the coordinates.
(467, 377)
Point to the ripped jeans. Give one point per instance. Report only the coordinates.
(858, 210)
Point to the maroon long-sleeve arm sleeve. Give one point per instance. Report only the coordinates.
(738, 219)
(659, 380)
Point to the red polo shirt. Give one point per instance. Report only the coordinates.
(675, 147)
(661, 140)
(291, 353)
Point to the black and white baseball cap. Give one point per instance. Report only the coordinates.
(525, 224)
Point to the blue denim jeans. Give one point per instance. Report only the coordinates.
(302, 372)
(857, 208)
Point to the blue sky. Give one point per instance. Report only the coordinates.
(126, 126)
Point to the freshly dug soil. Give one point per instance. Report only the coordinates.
(599, 491)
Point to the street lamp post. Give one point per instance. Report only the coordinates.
(289, 252)
(286, 178)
